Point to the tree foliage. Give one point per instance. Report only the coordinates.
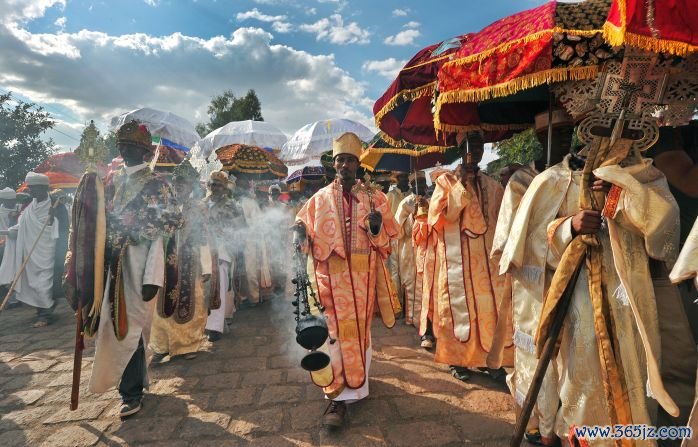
(227, 107)
(21, 146)
(522, 148)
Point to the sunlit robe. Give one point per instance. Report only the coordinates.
(527, 299)
(686, 268)
(407, 268)
(425, 241)
(257, 273)
(470, 290)
(35, 286)
(182, 331)
(352, 279)
(645, 222)
(395, 197)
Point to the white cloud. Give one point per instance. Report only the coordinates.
(411, 24)
(95, 75)
(400, 12)
(255, 14)
(388, 68)
(311, 11)
(153, 3)
(335, 31)
(282, 27)
(60, 23)
(405, 37)
(339, 4)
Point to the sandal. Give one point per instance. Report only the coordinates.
(40, 323)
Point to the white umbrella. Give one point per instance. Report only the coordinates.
(177, 130)
(252, 133)
(311, 140)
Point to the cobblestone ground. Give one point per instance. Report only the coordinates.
(246, 389)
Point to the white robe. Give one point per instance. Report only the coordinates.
(143, 264)
(7, 266)
(35, 286)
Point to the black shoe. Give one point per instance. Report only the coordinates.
(214, 336)
(130, 408)
(158, 358)
(334, 414)
(460, 373)
(427, 342)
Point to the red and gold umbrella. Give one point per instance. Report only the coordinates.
(660, 26)
(251, 162)
(551, 43)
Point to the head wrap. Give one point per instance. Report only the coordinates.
(381, 177)
(33, 179)
(185, 172)
(348, 143)
(417, 175)
(135, 134)
(8, 194)
(276, 188)
(219, 177)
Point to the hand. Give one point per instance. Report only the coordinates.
(586, 222)
(375, 219)
(51, 215)
(600, 185)
(299, 233)
(148, 292)
(12, 233)
(422, 202)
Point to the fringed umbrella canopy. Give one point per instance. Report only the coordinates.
(554, 42)
(253, 133)
(251, 162)
(382, 155)
(68, 163)
(166, 127)
(312, 140)
(660, 26)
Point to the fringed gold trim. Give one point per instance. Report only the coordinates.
(506, 46)
(402, 97)
(456, 128)
(403, 151)
(509, 88)
(616, 36)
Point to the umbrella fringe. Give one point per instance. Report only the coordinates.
(402, 97)
(617, 36)
(506, 89)
(506, 46)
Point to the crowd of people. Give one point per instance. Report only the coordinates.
(477, 265)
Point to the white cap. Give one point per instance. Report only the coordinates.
(33, 178)
(8, 194)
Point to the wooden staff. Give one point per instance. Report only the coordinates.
(77, 358)
(546, 356)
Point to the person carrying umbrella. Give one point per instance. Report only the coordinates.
(463, 211)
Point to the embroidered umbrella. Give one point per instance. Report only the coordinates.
(251, 162)
(382, 155)
(666, 26)
(552, 43)
(253, 133)
(312, 140)
(167, 128)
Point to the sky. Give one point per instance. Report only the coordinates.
(307, 60)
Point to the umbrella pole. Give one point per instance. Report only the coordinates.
(550, 131)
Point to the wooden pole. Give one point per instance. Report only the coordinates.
(77, 358)
(544, 361)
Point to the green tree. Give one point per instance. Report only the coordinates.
(227, 107)
(522, 148)
(21, 147)
(111, 146)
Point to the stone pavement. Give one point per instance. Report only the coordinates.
(247, 389)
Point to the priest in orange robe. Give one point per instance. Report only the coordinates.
(463, 211)
(348, 227)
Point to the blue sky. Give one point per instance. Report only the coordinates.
(308, 60)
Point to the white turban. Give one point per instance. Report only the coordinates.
(8, 194)
(33, 178)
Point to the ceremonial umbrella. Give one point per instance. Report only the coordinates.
(666, 26)
(253, 133)
(382, 155)
(307, 174)
(311, 140)
(552, 43)
(58, 180)
(166, 128)
(251, 162)
(68, 163)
